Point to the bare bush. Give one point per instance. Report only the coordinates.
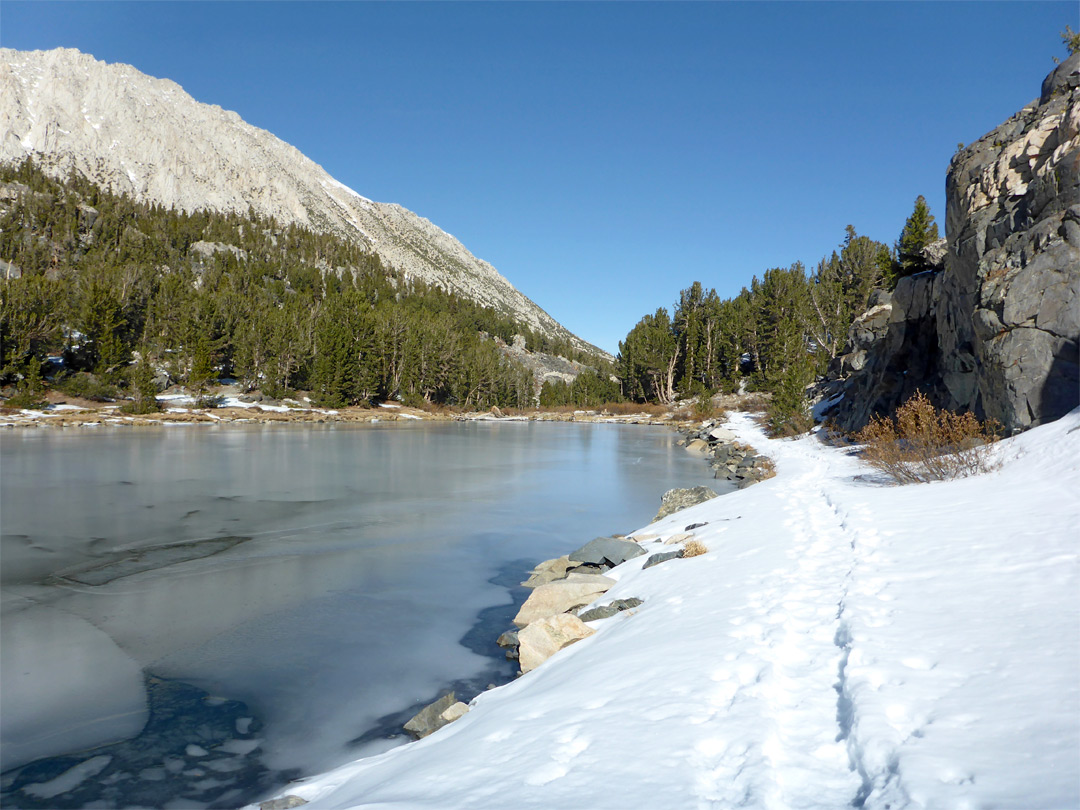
(922, 444)
(694, 548)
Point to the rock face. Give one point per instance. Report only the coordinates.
(1009, 318)
(148, 138)
(996, 330)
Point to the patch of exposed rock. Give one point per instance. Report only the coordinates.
(997, 330)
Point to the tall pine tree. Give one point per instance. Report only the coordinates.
(919, 231)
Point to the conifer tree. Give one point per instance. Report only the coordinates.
(919, 231)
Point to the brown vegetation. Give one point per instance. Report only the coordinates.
(694, 548)
(922, 444)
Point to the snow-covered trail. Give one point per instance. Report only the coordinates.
(842, 644)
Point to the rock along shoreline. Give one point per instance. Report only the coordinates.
(565, 590)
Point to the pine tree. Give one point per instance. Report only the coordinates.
(919, 231)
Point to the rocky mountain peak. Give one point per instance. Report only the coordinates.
(148, 138)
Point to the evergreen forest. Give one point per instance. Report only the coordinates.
(105, 294)
(116, 288)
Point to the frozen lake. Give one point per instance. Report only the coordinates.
(315, 583)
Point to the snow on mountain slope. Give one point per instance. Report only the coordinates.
(843, 643)
(148, 138)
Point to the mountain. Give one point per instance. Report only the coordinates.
(149, 139)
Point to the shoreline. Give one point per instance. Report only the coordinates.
(110, 416)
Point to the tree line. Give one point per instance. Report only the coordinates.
(123, 290)
(776, 335)
(115, 286)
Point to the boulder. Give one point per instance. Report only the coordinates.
(597, 580)
(547, 571)
(679, 537)
(607, 611)
(663, 556)
(699, 446)
(722, 434)
(508, 639)
(589, 569)
(676, 499)
(559, 597)
(454, 712)
(543, 638)
(606, 550)
(433, 716)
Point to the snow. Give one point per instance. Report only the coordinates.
(331, 181)
(843, 643)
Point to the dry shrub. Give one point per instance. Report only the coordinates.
(694, 548)
(922, 443)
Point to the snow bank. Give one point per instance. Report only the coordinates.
(843, 643)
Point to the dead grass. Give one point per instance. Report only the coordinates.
(694, 548)
(922, 444)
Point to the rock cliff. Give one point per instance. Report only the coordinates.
(148, 138)
(996, 330)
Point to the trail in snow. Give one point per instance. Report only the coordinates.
(842, 644)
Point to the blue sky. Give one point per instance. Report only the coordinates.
(603, 156)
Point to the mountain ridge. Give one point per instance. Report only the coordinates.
(149, 138)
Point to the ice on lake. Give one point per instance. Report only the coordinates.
(323, 576)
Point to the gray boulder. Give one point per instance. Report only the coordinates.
(508, 639)
(676, 499)
(607, 611)
(663, 556)
(606, 550)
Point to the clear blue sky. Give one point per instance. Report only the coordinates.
(603, 156)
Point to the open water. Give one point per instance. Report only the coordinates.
(193, 616)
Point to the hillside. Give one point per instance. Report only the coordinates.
(147, 138)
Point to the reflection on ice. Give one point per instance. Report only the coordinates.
(371, 554)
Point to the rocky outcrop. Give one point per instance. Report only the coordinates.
(147, 138)
(1009, 320)
(892, 351)
(996, 331)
